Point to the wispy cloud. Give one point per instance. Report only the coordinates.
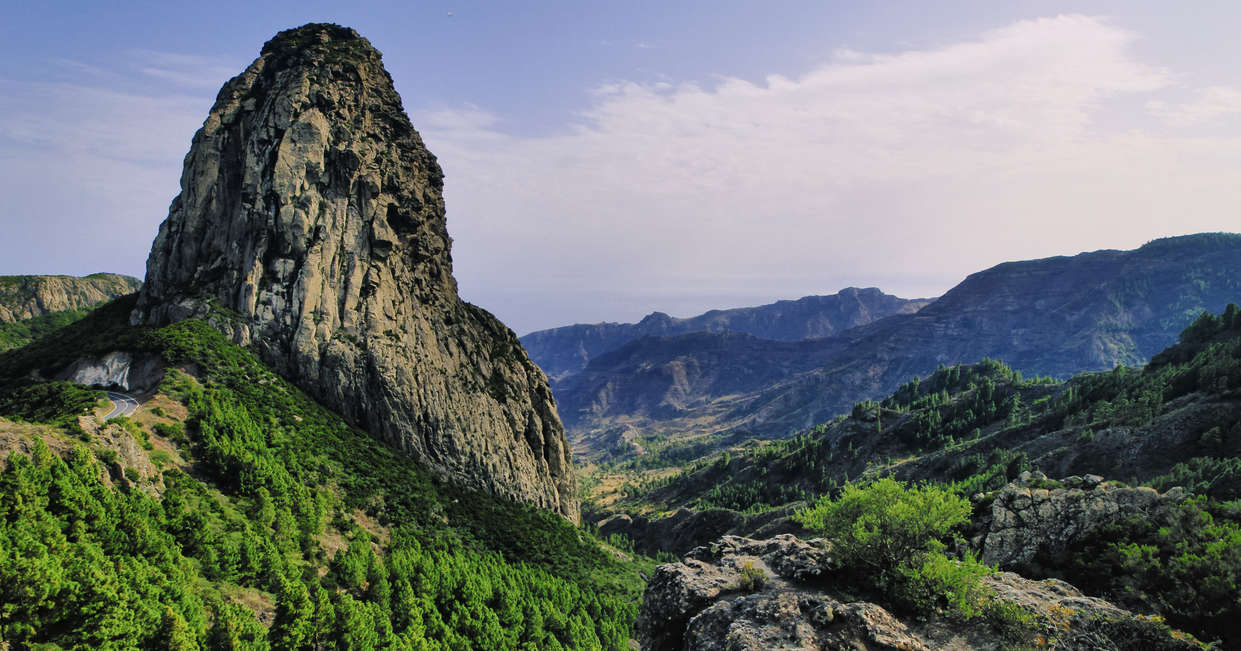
(191, 71)
(97, 160)
(908, 169)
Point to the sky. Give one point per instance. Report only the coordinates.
(606, 160)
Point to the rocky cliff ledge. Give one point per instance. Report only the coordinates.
(311, 226)
(25, 297)
(1035, 514)
(739, 593)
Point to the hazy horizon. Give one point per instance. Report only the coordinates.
(606, 162)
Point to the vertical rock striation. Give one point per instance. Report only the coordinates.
(311, 226)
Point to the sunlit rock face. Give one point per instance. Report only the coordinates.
(311, 225)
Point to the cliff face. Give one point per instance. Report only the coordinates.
(311, 224)
(561, 352)
(25, 297)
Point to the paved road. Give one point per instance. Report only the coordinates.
(122, 405)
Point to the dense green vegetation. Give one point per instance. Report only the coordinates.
(284, 512)
(55, 403)
(19, 333)
(1184, 563)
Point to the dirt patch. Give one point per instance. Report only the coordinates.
(159, 408)
(381, 533)
(262, 604)
(20, 438)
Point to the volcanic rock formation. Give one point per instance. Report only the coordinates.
(311, 226)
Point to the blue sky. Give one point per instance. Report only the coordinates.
(604, 160)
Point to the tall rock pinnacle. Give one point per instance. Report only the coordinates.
(312, 212)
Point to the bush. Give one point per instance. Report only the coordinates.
(885, 526)
(753, 578)
(943, 584)
(891, 536)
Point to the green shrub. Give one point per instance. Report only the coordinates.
(946, 585)
(886, 526)
(753, 578)
(107, 455)
(173, 432)
(890, 536)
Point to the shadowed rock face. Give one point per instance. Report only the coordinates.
(312, 213)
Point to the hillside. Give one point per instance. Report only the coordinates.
(26, 297)
(231, 511)
(31, 307)
(1174, 425)
(561, 352)
(1051, 317)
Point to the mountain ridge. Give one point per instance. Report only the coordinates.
(566, 350)
(1044, 317)
(27, 297)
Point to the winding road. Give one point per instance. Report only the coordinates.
(122, 405)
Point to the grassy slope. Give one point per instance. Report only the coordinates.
(284, 526)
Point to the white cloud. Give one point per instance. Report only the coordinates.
(1208, 105)
(871, 169)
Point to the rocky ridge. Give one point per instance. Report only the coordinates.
(311, 226)
(1055, 316)
(1035, 514)
(561, 352)
(740, 593)
(26, 297)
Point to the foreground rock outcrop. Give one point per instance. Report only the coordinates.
(311, 225)
(739, 593)
(1036, 515)
(26, 297)
(685, 529)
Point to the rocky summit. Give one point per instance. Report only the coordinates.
(311, 226)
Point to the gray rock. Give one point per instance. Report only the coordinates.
(1025, 521)
(710, 601)
(311, 226)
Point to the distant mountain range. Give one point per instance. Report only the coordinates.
(561, 352)
(1055, 316)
